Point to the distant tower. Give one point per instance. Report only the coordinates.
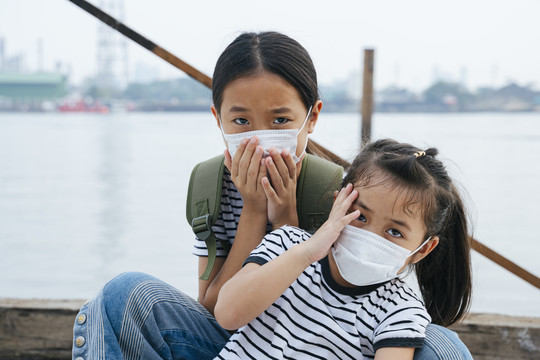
(112, 60)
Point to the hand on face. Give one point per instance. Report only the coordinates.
(280, 188)
(321, 242)
(269, 186)
(247, 170)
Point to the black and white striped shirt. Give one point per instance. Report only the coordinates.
(317, 318)
(228, 218)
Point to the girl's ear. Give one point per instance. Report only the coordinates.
(216, 115)
(426, 249)
(315, 111)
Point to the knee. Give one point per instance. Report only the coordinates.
(99, 321)
(110, 303)
(117, 291)
(125, 283)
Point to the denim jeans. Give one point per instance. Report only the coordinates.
(136, 316)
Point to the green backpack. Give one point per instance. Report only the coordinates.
(315, 187)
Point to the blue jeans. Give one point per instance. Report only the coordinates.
(136, 316)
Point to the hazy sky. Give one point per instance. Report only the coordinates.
(485, 43)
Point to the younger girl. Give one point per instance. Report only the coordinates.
(338, 294)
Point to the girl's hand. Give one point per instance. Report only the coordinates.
(247, 170)
(320, 243)
(280, 189)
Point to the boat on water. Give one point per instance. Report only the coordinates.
(83, 106)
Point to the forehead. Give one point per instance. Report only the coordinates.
(262, 89)
(388, 196)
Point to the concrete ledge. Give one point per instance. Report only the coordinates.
(42, 329)
(37, 329)
(497, 337)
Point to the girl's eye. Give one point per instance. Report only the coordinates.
(281, 120)
(241, 121)
(394, 233)
(361, 218)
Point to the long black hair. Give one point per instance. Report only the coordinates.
(444, 276)
(276, 53)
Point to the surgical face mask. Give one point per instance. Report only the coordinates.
(280, 139)
(364, 258)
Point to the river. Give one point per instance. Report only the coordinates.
(84, 197)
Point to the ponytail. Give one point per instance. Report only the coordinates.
(444, 276)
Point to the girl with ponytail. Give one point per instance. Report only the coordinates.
(444, 276)
(338, 293)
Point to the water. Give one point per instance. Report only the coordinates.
(84, 197)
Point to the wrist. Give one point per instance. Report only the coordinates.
(255, 208)
(304, 254)
(289, 219)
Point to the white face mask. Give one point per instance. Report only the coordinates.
(364, 258)
(280, 139)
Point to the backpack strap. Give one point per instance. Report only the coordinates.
(315, 188)
(203, 205)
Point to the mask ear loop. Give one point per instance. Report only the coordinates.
(409, 268)
(305, 121)
(221, 125)
(421, 246)
(297, 158)
(223, 134)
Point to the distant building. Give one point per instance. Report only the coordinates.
(395, 99)
(511, 97)
(29, 91)
(37, 86)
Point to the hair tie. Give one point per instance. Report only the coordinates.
(419, 154)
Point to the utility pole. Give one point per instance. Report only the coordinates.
(367, 96)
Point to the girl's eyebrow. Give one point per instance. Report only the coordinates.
(281, 110)
(362, 205)
(236, 108)
(401, 223)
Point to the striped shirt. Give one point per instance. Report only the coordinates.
(228, 218)
(317, 318)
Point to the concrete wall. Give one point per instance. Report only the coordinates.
(42, 329)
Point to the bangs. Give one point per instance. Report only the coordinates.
(415, 199)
